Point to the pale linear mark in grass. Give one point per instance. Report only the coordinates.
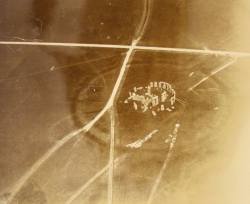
(56, 68)
(26, 39)
(181, 101)
(164, 166)
(93, 179)
(138, 143)
(208, 89)
(103, 170)
(22, 181)
(87, 45)
(17, 187)
(144, 19)
(110, 104)
(223, 67)
(59, 122)
(138, 35)
(125, 65)
(150, 48)
(111, 156)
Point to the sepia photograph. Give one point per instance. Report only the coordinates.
(124, 102)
